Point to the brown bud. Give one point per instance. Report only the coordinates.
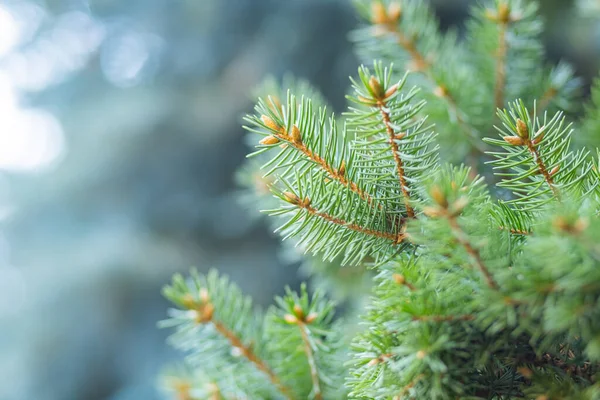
(432, 212)
(421, 354)
(554, 170)
(269, 140)
(375, 87)
(268, 121)
(310, 318)
(513, 140)
(580, 225)
(526, 372)
(399, 279)
(296, 135)
(373, 362)
(391, 90)
(394, 12)
(367, 101)
(378, 13)
(460, 205)
(441, 91)
(291, 198)
(542, 397)
(342, 169)
(290, 319)
(438, 196)
(503, 13)
(522, 129)
(207, 312)
(560, 223)
(298, 311)
(400, 136)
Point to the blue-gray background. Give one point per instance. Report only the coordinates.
(119, 138)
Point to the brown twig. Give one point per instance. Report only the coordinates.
(514, 231)
(443, 318)
(459, 234)
(501, 64)
(397, 238)
(424, 67)
(333, 173)
(399, 163)
(542, 167)
(314, 374)
(249, 354)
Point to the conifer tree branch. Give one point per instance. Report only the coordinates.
(542, 167)
(249, 354)
(295, 140)
(314, 373)
(388, 22)
(443, 318)
(503, 19)
(305, 205)
(399, 164)
(459, 235)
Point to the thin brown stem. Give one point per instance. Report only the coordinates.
(314, 373)
(332, 172)
(399, 163)
(422, 65)
(501, 64)
(514, 231)
(407, 388)
(459, 234)
(542, 168)
(394, 237)
(444, 318)
(249, 354)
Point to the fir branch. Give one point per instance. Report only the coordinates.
(393, 136)
(314, 373)
(294, 139)
(459, 234)
(249, 354)
(388, 21)
(502, 18)
(537, 159)
(305, 204)
(387, 123)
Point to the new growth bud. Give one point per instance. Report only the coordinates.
(522, 129)
(296, 135)
(269, 140)
(513, 140)
(269, 123)
(375, 87)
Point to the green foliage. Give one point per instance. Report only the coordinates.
(484, 279)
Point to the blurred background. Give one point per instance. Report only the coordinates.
(119, 138)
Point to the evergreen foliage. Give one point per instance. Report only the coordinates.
(484, 278)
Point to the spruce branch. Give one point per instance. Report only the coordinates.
(249, 354)
(537, 164)
(502, 17)
(394, 147)
(450, 212)
(215, 312)
(305, 204)
(407, 22)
